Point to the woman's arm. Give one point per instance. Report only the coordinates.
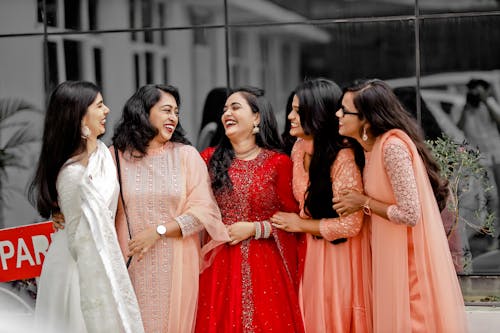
(399, 168)
(345, 176)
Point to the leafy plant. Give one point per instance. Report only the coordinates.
(460, 163)
(21, 131)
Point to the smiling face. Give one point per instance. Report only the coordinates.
(296, 129)
(238, 118)
(164, 116)
(95, 117)
(350, 124)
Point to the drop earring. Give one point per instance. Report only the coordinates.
(255, 129)
(365, 136)
(85, 132)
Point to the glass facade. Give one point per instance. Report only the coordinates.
(430, 51)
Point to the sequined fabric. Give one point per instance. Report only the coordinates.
(169, 183)
(252, 286)
(398, 164)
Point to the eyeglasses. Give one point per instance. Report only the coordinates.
(343, 112)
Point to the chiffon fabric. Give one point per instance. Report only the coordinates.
(415, 287)
(84, 285)
(169, 183)
(253, 286)
(335, 290)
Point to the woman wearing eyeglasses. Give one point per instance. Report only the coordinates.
(415, 287)
(333, 287)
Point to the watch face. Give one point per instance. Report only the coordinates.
(161, 229)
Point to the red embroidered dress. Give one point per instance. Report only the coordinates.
(252, 286)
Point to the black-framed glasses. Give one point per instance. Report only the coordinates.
(344, 112)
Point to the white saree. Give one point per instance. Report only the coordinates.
(85, 286)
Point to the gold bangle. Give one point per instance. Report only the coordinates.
(366, 207)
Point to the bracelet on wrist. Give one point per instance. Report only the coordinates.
(366, 207)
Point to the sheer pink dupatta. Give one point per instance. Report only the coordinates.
(415, 287)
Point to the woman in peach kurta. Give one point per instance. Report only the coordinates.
(334, 295)
(165, 183)
(415, 287)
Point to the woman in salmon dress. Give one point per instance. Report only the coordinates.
(335, 293)
(252, 282)
(168, 201)
(415, 287)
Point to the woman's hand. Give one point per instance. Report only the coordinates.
(240, 231)
(290, 222)
(57, 221)
(142, 242)
(348, 202)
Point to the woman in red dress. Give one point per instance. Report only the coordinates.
(252, 282)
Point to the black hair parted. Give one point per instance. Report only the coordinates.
(319, 99)
(134, 131)
(377, 103)
(267, 138)
(62, 139)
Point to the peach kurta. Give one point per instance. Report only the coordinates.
(335, 288)
(170, 183)
(415, 287)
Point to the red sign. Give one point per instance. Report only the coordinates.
(23, 249)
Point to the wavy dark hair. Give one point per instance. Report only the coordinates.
(62, 138)
(134, 131)
(378, 104)
(268, 138)
(319, 99)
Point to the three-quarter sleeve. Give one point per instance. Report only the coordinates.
(345, 175)
(189, 224)
(398, 164)
(200, 209)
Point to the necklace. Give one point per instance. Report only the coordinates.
(247, 154)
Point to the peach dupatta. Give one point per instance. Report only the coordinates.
(415, 287)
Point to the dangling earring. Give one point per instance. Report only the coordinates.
(255, 129)
(85, 132)
(364, 137)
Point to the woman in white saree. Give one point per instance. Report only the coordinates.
(84, 286)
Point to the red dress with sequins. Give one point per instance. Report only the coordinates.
(253, 286)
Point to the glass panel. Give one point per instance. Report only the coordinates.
(72, 14)
(120, 65)
(137, 14)
(22, 98)
(461, 82)
(23, 16)
(457, 6)
(73, 59)
(240, 11)
(27, 16)
(342, 52)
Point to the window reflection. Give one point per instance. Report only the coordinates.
(274, 44)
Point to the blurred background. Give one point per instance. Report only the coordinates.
(428, 50)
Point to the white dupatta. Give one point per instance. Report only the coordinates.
(99, 200)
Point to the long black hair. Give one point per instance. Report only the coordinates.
(378, 104)
(62, 138)
(268, 137)
(319, 99)
(134, 130)
(288, 139)
(212, 112)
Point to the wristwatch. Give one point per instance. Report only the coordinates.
(161, 230)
